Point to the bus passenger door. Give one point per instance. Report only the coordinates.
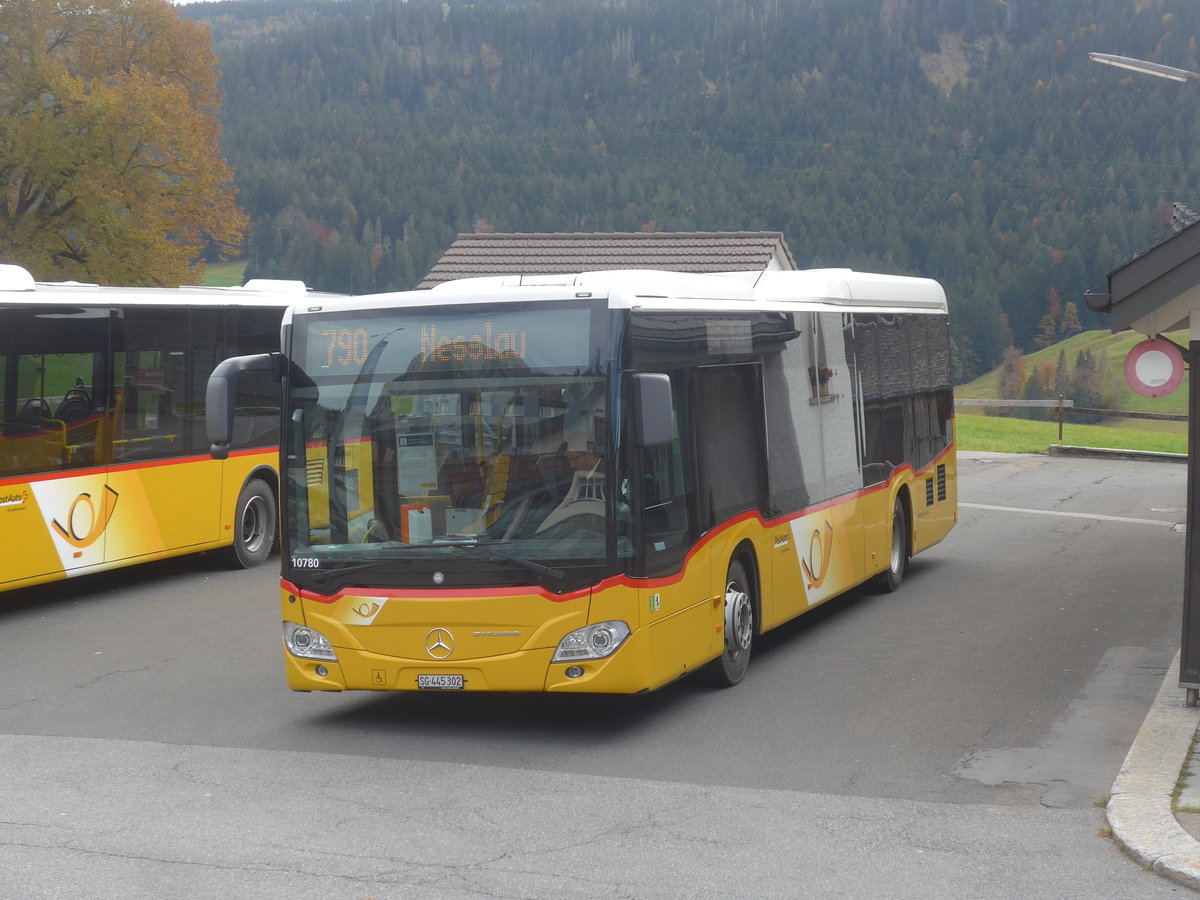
(166, 486)
(733, 477)
(838, 405)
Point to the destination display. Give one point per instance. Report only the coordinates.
(546, 340)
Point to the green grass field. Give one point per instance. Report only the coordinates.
(1003, 435)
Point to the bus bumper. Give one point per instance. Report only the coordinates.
(625, 672)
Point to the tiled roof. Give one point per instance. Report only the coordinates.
(551, 254)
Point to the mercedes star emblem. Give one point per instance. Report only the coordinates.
(439, 643)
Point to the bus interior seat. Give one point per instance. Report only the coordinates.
(33, 412)
(76, 403)
(72, 409)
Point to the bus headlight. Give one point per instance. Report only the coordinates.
(592, 642)
(306, 643)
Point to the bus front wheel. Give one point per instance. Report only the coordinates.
(730, 667)
(253, 525)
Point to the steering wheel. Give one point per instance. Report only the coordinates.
(377, 532)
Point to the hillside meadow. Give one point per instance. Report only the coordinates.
(225, 273)
(977, 431)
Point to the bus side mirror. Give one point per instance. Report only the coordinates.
(653, 410)
(220, 397)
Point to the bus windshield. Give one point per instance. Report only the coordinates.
(448, 439)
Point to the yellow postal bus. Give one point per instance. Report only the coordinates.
(103, 456)
(600, 482)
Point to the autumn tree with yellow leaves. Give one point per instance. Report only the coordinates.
(109, 165)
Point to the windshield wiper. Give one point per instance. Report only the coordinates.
(550, 571)
(327, 575)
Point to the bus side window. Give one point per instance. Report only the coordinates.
(150, 372)
(256, 411)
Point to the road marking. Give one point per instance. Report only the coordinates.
(1069, 515)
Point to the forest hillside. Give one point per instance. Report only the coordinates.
(968, 140)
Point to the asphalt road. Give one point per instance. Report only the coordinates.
(951, 739)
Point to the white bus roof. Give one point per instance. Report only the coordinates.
(814, 289)
(17, 285)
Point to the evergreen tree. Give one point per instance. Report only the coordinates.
(1012, 378)
(1062, 375)
(1035, 389)
(1070, 321)
(1087, 383)
(1048, 325)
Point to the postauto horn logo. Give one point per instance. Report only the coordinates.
(820, 550)
(85, 523)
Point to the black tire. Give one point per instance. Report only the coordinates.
(254, 525)
(730, 667)
(891, 577)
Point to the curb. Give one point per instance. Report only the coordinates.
(1139, 811)
(1106, 453)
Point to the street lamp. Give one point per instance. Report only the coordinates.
(1142, 66)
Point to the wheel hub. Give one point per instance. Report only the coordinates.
(739, 618)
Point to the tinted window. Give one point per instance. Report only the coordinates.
(730, 411)
(56, 389)
(906, 393)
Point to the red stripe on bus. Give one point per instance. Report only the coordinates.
(129, 467)
(622, 580)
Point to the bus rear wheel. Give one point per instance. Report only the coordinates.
(254, 525)
(730, 667)
(891, 578)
